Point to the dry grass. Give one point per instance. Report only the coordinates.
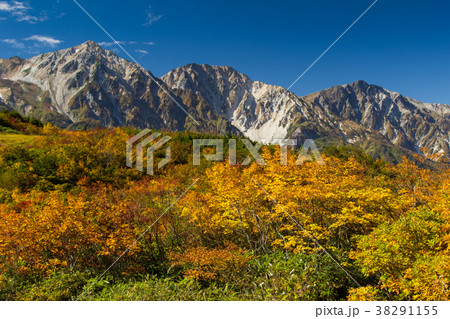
(15, 139)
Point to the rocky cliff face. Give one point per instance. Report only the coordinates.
(403, 121)
(88, 86)
(259, 111)
(356, 113)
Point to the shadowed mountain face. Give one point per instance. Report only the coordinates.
(356, 113)
(88, 86)
(403, 121)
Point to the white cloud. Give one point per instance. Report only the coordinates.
(39, 40)
(31, 19)
(14, 6)
(44, 40)
(144, 52)
(113, 47)
(19, 10)
(110, 44)
(151, 17)
(14, 43)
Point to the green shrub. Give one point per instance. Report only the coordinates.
(5, 196)
(61, 287)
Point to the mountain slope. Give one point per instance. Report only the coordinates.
(259, 110)
(356, 113)
(88, 86)
(405, 122)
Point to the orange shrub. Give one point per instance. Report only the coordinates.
(204, 264)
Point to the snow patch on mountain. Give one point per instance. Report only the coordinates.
(89, 83)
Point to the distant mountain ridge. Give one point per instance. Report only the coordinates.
(88, 86)
(356, 113)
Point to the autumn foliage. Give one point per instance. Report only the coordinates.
(69, 208)
(206, 264)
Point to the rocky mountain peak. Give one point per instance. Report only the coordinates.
(359, 84)
(89, 85)
(90, 44)
(91, 47)
(16, 59)
(190, 74)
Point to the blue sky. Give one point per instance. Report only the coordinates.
(401, 45)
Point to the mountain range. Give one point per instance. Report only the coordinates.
(88, 86)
